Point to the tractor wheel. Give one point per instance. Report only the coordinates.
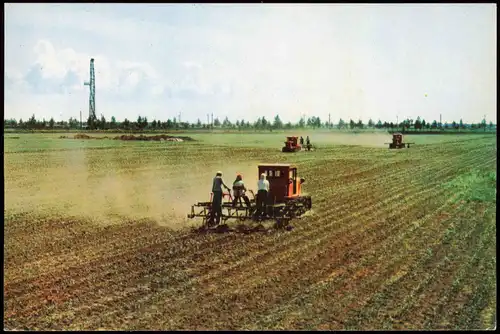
(283, 149)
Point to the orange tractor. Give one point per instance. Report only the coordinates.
(291, 144)
(397, 141)
(284, 202)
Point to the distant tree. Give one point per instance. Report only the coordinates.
(32, 122)
(446, 125)
(491, 125)
(301, 123)
(216, 122)
(102, 123)
(126, 123)
(154, 124)
(360, 124)
(341, 124)
(352, 124)
(418, 123)
(461, 124)
(379, 124)
(264, 122)
(391, 125)
(113, 122)
(72, 123)
(51, 123)
(370, 123)
(434, 124)
(226, 123)
(423, 124)
(258, 123)
(21, 123)
(169, 124)
(309, 121)
(316, 122)
(483, 124)
(198, 123)
(288, 125)
(278, 124)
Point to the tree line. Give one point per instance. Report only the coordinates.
(261, 123)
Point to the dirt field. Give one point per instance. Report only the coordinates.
(96, 236)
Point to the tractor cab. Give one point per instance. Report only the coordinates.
(397, 139)
(291, 144)
(284, 182)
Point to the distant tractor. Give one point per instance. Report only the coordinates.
(291, 145)
(397, 141)
(285, 199)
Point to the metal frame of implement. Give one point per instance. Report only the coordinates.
(281, 212)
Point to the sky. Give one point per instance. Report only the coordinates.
(244, 61)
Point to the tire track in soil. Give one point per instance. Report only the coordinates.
(323, 265)
(369, 315)
(281, 314)
(362, 314)
(120, 268)
(269, 319)
(82, 249)
(442, 279)
(413, 286)
(440, 313)
(371, 305)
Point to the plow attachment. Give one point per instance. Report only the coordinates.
(281, 213)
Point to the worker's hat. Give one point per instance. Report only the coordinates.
(219, 173)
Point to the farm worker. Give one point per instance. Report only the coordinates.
(301, 140)
(308, 143)
(239, 190)
(263, 190)
(217, 196)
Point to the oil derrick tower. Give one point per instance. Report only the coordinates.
(92, 116)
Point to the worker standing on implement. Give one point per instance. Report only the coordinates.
(308, 143)
(263, 190)
(217, 197)
(301, 141)
(239, 190)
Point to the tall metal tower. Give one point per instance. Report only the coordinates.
(91, 85)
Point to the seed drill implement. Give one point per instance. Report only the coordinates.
(284, 202)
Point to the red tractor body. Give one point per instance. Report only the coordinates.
(291, 144)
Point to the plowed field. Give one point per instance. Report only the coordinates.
(96, 238)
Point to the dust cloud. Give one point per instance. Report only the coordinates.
(107, 195)
(375, 139)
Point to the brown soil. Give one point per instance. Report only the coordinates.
(132, 137)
